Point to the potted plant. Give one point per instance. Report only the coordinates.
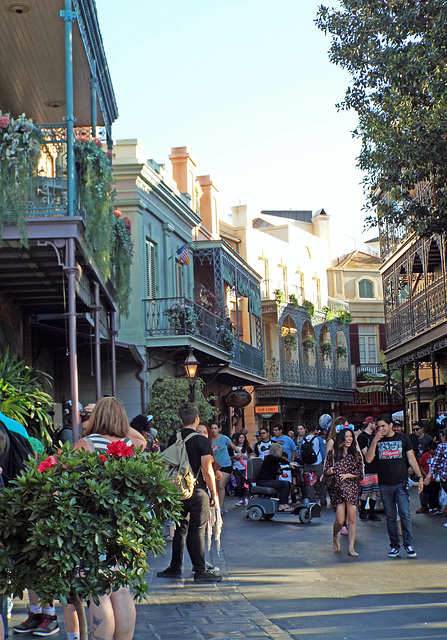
(309, 345)
(76, 523)
(326, 350)
(310, 308)
(226, 339)
(290, 343)
(293, 300)
(181, 318)
(341, 352)
(329, 314)
(344, 317)
(279, 296)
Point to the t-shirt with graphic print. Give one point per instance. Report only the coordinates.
(391, 458)
(262, 448)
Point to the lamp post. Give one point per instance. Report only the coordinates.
(191, 365)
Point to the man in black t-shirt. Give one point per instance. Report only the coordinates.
(192, 530)
(393, 454)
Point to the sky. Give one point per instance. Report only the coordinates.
(248, 87)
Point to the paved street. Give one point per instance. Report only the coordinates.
(282, 581)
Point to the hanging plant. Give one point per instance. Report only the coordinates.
(122, 252)
(310, 308)
(341, 352)
(19, 155)
(326, 350)
(309, 345)
(279, 296)
(290, 343)
(344, 317)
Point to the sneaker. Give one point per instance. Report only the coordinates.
(422, 510)
(374, 517)
(393, 552)
(240, 503)
(207, 576)
(344, 531)
(363, 516)
(172, 574)
(411, 553)
(47, 627)
(209, 567)
(32, 622)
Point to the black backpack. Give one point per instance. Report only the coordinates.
(308, 455)
(15, 454)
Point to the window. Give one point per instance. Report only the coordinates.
(151, 285)
(366, 289)
(368, 344)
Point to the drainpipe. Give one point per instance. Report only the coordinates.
(93, 98)
(72, 343)
(97, 343)
(69, 17)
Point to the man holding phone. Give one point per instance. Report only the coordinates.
(393, 453)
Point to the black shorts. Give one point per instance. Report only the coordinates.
(226, 470)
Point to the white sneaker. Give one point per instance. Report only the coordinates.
(240, 503)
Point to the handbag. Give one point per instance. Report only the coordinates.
(327, 480)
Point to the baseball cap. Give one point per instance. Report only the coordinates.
(368, 420)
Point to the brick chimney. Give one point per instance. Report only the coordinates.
(183, 172)
(208, 205)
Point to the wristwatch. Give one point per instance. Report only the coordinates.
(420, 477)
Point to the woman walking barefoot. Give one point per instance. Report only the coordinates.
(344, 462)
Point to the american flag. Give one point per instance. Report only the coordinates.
(183, 254)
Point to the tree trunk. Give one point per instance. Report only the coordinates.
(80, 610)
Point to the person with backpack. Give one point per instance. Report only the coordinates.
(197, 506)
(312, 459)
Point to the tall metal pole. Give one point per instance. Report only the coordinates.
(69, 16)
(97, 343)
(402, 375)
(72, 342)
(388, 389)
(113, 350)
(418, 389)
(433, 371)
(93, 99)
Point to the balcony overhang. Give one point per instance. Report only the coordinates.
(418, 348)
(33, 277)
(32, 62)
(303, 393)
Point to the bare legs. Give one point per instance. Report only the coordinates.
(114, 617)
(340, 515)
(221, 488)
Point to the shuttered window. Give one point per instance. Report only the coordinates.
(151, 282)
(179, 280)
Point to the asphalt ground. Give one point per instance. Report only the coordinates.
(282, 581)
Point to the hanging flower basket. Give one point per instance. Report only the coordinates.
(309, 345)
(327, 350)
(290, 343)
(342, 353)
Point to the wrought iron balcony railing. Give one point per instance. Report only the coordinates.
(300, 373)
(270, 287)
(369, 368)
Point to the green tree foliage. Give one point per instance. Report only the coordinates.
(80, 524)
(395, 52)
(24, 396)
(167, 394)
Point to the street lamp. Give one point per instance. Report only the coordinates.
(191, 365)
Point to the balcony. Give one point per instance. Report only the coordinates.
(270, 287)
(372, 368)
(302, 374)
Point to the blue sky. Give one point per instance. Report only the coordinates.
(247, 86)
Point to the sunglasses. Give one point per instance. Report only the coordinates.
(417, 429)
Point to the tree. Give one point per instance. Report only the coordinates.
(396, 53)
(76, 524)
(167, 394)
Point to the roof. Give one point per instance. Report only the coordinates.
(299, 216)
(359, 260)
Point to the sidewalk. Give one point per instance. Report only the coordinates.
(184, 610)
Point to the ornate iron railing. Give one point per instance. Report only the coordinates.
(369, 368)
(300, 373)
(248, 358)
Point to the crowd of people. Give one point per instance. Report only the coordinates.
(352, 467)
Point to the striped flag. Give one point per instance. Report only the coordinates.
(183, 254)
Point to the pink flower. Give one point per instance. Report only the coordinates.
(120, 449)
(4, 121)
(97, 141)
(109, 153)
(82, 139)
(49, 463)
(118, 213)
(103, 458)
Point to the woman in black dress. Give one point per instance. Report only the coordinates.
(345, 464)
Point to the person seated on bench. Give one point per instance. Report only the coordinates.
(269, 472)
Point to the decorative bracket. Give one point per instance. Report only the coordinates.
(68, 16)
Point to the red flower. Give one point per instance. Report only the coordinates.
(4, 121)
(127, 222)
(49, 463)
(118, 213)
(97, 141)
(82, 139)
(120, 449)
(103, 458)
(109, 153)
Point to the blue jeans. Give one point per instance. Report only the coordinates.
(396, 497)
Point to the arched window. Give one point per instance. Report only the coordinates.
(366, 289)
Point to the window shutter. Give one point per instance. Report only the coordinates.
(382, 337)
(354, 340)
(179, 280)
(151, 285)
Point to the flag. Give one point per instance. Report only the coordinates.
(183, 254)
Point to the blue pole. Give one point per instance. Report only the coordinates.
(69, 16)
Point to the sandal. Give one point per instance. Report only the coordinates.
(336, 544)
(286, 509)
(352, 553)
